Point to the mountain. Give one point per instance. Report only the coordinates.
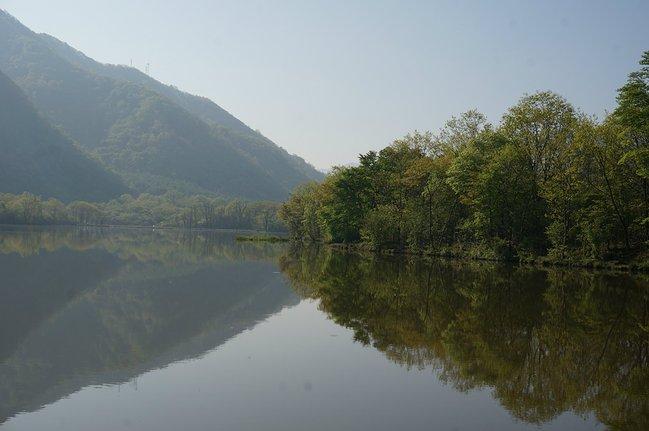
(154, 136)
(255, 145)
(36, 157)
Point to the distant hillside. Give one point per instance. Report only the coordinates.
(155, 136)
(35, 157)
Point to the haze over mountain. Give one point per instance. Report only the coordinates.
(154, 136)
(36, 157)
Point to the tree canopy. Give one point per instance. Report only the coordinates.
(547, 180)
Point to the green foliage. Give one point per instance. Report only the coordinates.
(146, 210)
(381, 226)
(348, 193)
(632, 114)
(507, 205)
(541, 125)
(300, 214)
(459, 131)
(547, 180)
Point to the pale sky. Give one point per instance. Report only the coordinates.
(331, 79)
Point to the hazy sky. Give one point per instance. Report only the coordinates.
(330, 79)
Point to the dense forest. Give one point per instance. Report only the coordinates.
(548, 180)
(169, 210)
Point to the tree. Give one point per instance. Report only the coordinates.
(207, 207)
(458, 132)
(85, 213)
(31, 208)
(494, 180)
(55, 212)
(301, 213)
(542, 125)
(632, 114)
(608, 215)
(347, 196)
(548, 179)
(381, 227)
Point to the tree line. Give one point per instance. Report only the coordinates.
(169, 210)
(547, 180)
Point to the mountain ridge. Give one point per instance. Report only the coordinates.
(156, 137)
(37, 158)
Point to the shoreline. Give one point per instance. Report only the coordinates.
(142, 227)
(536, 261)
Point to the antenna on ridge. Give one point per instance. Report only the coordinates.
(147, 69)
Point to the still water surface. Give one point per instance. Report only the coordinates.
(141, 330)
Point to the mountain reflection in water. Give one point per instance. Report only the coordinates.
(86, 307)
(90, 307)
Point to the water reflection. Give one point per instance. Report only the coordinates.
(547, 342)
(99, 307)
(93, 307)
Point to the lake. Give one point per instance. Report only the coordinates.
(127, 329)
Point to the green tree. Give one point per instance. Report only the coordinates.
(300, 213)
(505, 209)
(542, 125)
(632, 113)
(458, 132)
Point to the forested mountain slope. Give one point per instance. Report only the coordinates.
(287, 167)
(156, 137)
(36, 157)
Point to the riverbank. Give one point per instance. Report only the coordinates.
(261, 238)
(135, 226)
(635, 264)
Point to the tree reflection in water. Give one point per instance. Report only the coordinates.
(546, 341)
